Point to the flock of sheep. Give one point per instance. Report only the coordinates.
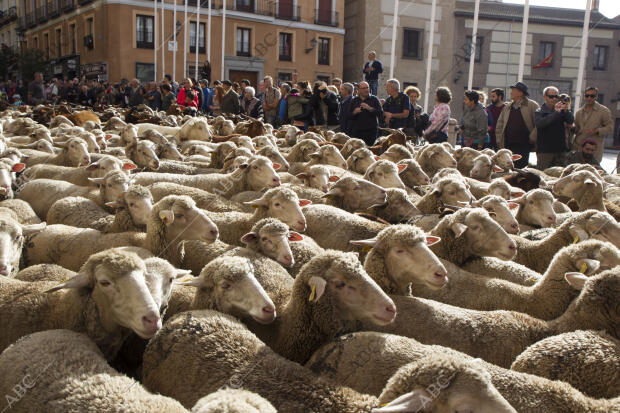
(219, 265)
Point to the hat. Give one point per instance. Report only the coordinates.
(16, 96)
(588, 141)
(227, 83)
(522, 87)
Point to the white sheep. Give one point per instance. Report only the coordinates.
(536, 209)
(74, 153)
(360, 160)
(444, 192)
(326, 155)
(385, 174)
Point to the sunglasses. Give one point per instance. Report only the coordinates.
(553, 96)
(590, 96)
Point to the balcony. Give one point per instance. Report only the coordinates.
(326, 17)
(293, 14)
(67, 5)
(53, 8)
(8, 16)
(21, 23)
(42, 15)
(83, 2)
(31, 20)
(262, 7)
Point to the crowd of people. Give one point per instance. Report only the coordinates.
(550, 129)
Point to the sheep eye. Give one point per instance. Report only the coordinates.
(104, 283)
(226, 286)
(340, 285)
(400, 251)
(18, 238)
(277, 204)
(263, 239)
(179, 216)
(171, 280)
(131, 204)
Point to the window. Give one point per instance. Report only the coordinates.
(72, 34)
(243, 42)
(545, 50)
(47, 46)
(600, 98)
(36, 42)
(58, 43)
(284, 77)
(323, 79)
(468, 48)
(145, 72)
(192, 38)
(245, 5)
(412, 41)
(286, 47)
(90, 26)
(324, 51)
(144, 33)
(600, 57)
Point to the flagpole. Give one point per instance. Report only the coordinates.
(394, 34)
(209, 36)
(163, 48)
(174, 40)
(155, 33)
(197, 37)
(185, 23)
(526, 18)
(472, 49)
(582, 54)
(429, 58)
(223, 38)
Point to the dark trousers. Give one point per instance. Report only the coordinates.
(373, 85)
(522, 149)
(367, 135)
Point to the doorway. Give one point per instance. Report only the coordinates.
(239, 75)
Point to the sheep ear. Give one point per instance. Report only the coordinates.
(80, 280)
(93, 166)
(401, 168)
(365, 242)
(128, 166)
(97, 181)
(516, 157)
(576, 279)
(512, 205)
(167, 216)
(295, 236)
(33, 228)
(458, 229)
(517, 193)
(249, 237)
(276, 166)
(377, 158)
(414, 401)
(498, 168)
(589, 182)
(333, 192)
(302, 176)
(578, 233)
(257, 203)
(315, 155)
(18, 167)
(432, 240)
(333, 178)
(304, 202)
(587, 266)
(113, 204)
(179, 273)
(317, 288)
(520, 200)
(192, 282)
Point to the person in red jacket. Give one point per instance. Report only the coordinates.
(181, 101)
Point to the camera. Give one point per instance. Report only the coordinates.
(564, 98)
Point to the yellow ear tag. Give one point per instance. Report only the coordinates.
(533, 280)
(187, 279)
(163, 219)
(576, 239)
(583, 268)
(313, 293)
(485, 193)
(255, 206)
(366, 248)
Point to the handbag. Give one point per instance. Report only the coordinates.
(433, 135)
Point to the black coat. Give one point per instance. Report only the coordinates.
(331, 100)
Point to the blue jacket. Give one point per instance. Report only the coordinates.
(206, 93)
(344, 115)
(374, 74)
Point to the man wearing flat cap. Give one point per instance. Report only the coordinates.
(516, 126)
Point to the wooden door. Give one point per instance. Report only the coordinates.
(239, 75)
(325, 11)
(285, 8)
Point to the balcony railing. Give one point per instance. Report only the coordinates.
(293, 15)
(31, 19)
(53, 8)
(42, 15)
(8, 16)
(83, 2)
(67, 5)
(21, 23)
(326, 17)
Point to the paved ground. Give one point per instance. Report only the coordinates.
(608, 164)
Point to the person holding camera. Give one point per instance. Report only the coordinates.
(365, 113)
(551, 120)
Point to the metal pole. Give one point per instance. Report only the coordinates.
(526, 18)
(472, 49)
(185, 24)
(582, 54)
(508, 61)
(155, 33)
(174, 40)
(163, 29)
(394, 34)
(223, 38)
(197, 37)
(209, 35)
(429, 58)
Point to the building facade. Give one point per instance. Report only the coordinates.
(552, 32)
(8, 23)
(115, 39)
